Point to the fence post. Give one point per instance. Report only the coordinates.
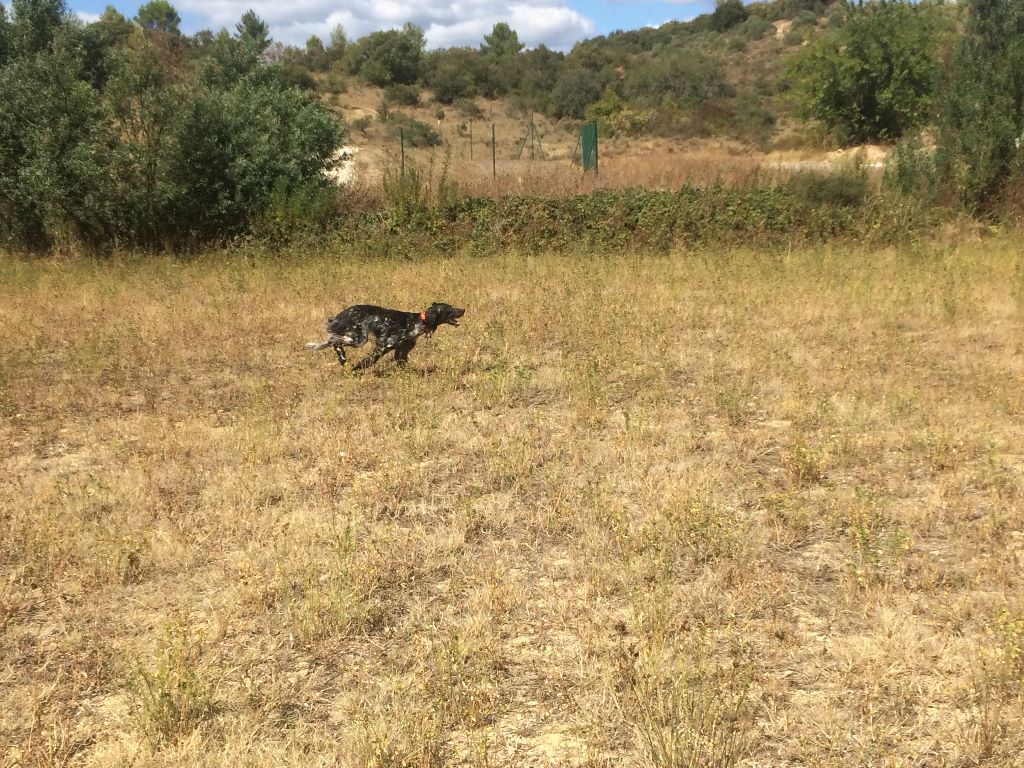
(401, 139)
(494, 155)
(470, 139)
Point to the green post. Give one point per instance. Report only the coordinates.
(494, 154)
(588, 141)
(401, 139)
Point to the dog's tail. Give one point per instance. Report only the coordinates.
(317, 346)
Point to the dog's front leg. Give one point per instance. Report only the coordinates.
(402, 351)
(340, 351)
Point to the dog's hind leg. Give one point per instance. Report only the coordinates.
(375, 354)
(339, 350)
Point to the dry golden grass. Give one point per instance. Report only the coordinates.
(717, 509)
(652, 163)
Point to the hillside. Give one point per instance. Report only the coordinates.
(650, 134)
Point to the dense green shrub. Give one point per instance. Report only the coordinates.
(876, 76)
(452, 74)
(56, 148)
(610, 220)
(682, 80)
(982, 122)
(388, 57)
(416, 133)
(104, 142)
(728, 14)
(754, 28)
(405, 95)
(575, 90)
(912, 170)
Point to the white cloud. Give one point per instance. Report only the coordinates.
(463, 22)
(87, 18)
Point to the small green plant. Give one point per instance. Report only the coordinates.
(805, 463)
(875, 543)
(321, 601)
(734, 401)
(173, 695)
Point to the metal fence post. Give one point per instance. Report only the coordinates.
(494, 155)
(401, 139)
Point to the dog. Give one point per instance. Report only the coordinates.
(392, 330)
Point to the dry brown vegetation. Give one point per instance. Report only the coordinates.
(649, 162)
(724, 508)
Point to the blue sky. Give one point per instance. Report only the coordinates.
(557, 23)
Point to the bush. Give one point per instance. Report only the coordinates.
(335, 83)
(875, 77)
(983, 117)
(57, 146)
(728, 14)
(452, 74)
(149, 154)
(683, 80)
(754, 28)
(829, 189)
(575, 90)
(912, 171)
(469, 109)
(417, 134)
(609, 220)
(292, 75)
(389, 57)
(406, 95)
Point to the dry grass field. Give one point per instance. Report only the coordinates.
(719, 509)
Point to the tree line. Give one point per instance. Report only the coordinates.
(129, 131)
(122, 132)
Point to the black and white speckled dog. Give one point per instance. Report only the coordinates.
(392, 330)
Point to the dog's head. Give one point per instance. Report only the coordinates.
(442, 314)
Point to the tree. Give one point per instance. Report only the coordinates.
(5, 37)
(315, 55)
(253, 32)
(877, 76)
(541, 68)
(55, 181)
(450, 73)
(728, 13)
(388, 57)
(34, 24)
(116, 28)
(336, 49)
(683, 79)
(503, 41)
(575, 90)
(159, 16)
(981, 127)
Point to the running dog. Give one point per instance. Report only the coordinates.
(391, 329)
